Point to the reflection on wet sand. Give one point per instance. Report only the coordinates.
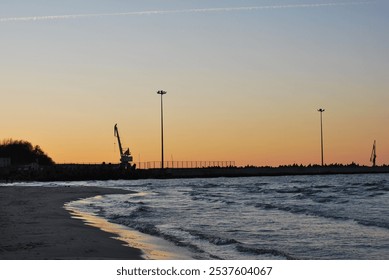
(153, 248)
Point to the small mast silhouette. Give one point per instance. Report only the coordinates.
(373, 155)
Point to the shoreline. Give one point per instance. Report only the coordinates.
(152, 247)
(34, 225)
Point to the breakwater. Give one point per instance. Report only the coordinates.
(79, 172)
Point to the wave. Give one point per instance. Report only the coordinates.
(151, 229)
(373, 223)
(325, 199)
(215, 240)
(321, 214)
(379, 188)
(381, 185)
(264, 251)
(373, 184)
(209, 197)
(261, 184)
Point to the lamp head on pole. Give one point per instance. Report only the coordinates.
(321, 110)
(161, 92)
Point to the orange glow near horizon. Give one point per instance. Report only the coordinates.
(270, 141)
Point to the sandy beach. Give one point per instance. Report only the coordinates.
(34, 225)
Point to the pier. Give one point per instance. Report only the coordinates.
(80, 172)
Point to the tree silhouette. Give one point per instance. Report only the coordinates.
(23, 152)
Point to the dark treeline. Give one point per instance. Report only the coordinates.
(23, 152)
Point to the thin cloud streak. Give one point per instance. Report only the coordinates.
(164, 12)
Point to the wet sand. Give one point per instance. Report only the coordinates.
(35, 225)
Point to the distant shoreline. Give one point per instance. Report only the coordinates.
(274, 171)
(79, 172)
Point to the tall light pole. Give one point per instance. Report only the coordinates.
(321, 133)
(161, 92)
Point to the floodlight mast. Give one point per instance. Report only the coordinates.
(162, 92)
(321, 135)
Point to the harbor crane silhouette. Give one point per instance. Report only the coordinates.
(125, 156)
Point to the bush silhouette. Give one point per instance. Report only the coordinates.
(23, 152)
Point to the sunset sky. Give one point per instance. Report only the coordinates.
(244, 79)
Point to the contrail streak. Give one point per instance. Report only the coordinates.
(164, 12)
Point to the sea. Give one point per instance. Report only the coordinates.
(329, 217)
